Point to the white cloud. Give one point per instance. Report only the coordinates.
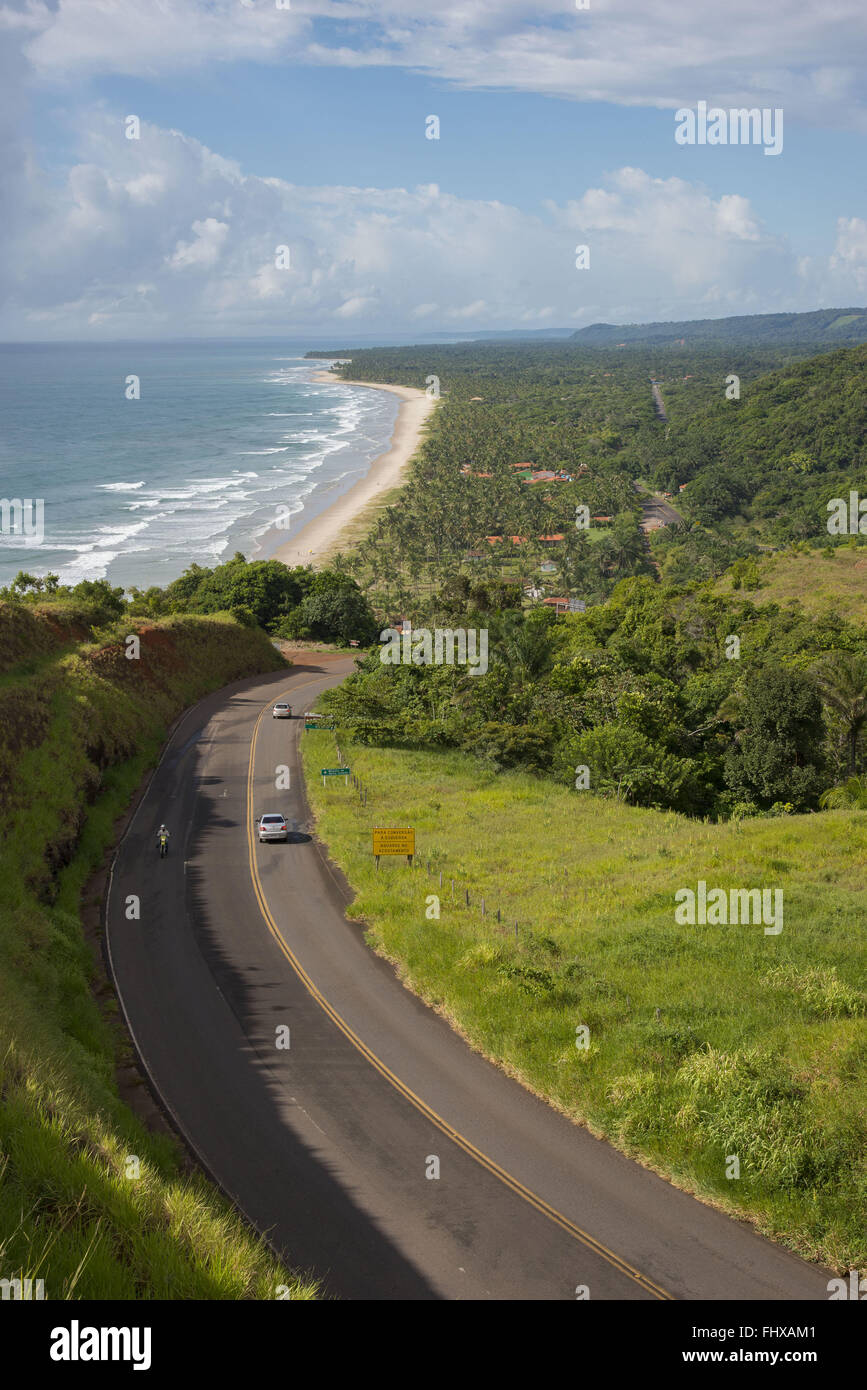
(210, 236)
(850, 252)
(144, 37)
(802, 57)
(161, 235)
(352, 308)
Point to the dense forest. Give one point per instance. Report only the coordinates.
(796, 438)
(822, 328)
(645, 689)
(587, 417)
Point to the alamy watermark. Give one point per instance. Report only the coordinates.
(718, 907)
(445, 646)
(22, 1290)
(77, 1343)
(848, 520)
(856, 1288)
(738, 126)
(24, 518)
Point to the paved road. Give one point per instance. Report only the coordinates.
(658, 401)
(325, 1146)
(655, 511)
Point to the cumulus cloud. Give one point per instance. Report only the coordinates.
(162, 235)
(204, 249)
(849, 259)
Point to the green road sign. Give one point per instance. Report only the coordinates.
(335, 772)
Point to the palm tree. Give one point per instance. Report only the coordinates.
(527, 652)
(853, 793)
(843, 683)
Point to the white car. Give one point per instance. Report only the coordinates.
(273, 827)
(281, 710)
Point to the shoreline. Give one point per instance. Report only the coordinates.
(320, 535)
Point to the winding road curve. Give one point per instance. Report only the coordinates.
(325, 1146)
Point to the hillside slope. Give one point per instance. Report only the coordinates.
(705, 1041)
(91, 1202)
(776, 456)
(825, 581)
(824, 327)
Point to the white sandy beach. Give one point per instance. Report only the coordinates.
(321, 532)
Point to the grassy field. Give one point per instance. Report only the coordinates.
(822, 581)
(91, 1201)
(704, 1041)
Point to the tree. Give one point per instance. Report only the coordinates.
(269, 589)
(527, 646)
(843, 683)
(852, 795)
(777, 755)
(100, 594)
(335, 609)
(26, 585)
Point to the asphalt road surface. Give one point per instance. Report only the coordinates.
(658, 401)
(325, 1146)
(655, 511)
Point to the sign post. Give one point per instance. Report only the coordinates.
(335, 772)
(312, 720)
(394, 841)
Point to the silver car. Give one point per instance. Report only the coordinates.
(281, 710)
(273, 827)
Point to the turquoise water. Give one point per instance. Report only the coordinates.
(223, 437)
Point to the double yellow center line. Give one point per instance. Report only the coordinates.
(454, 1135)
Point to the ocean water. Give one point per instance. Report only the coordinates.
(223, 437)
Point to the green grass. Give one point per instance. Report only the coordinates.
(760, 1046)
(830, 580)
(91, 1201)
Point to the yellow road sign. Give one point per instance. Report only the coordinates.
(393, 841)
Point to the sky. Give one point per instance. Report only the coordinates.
(305, 125)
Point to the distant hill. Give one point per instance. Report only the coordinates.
(795, 438)
(499, 335)
(831, 327)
